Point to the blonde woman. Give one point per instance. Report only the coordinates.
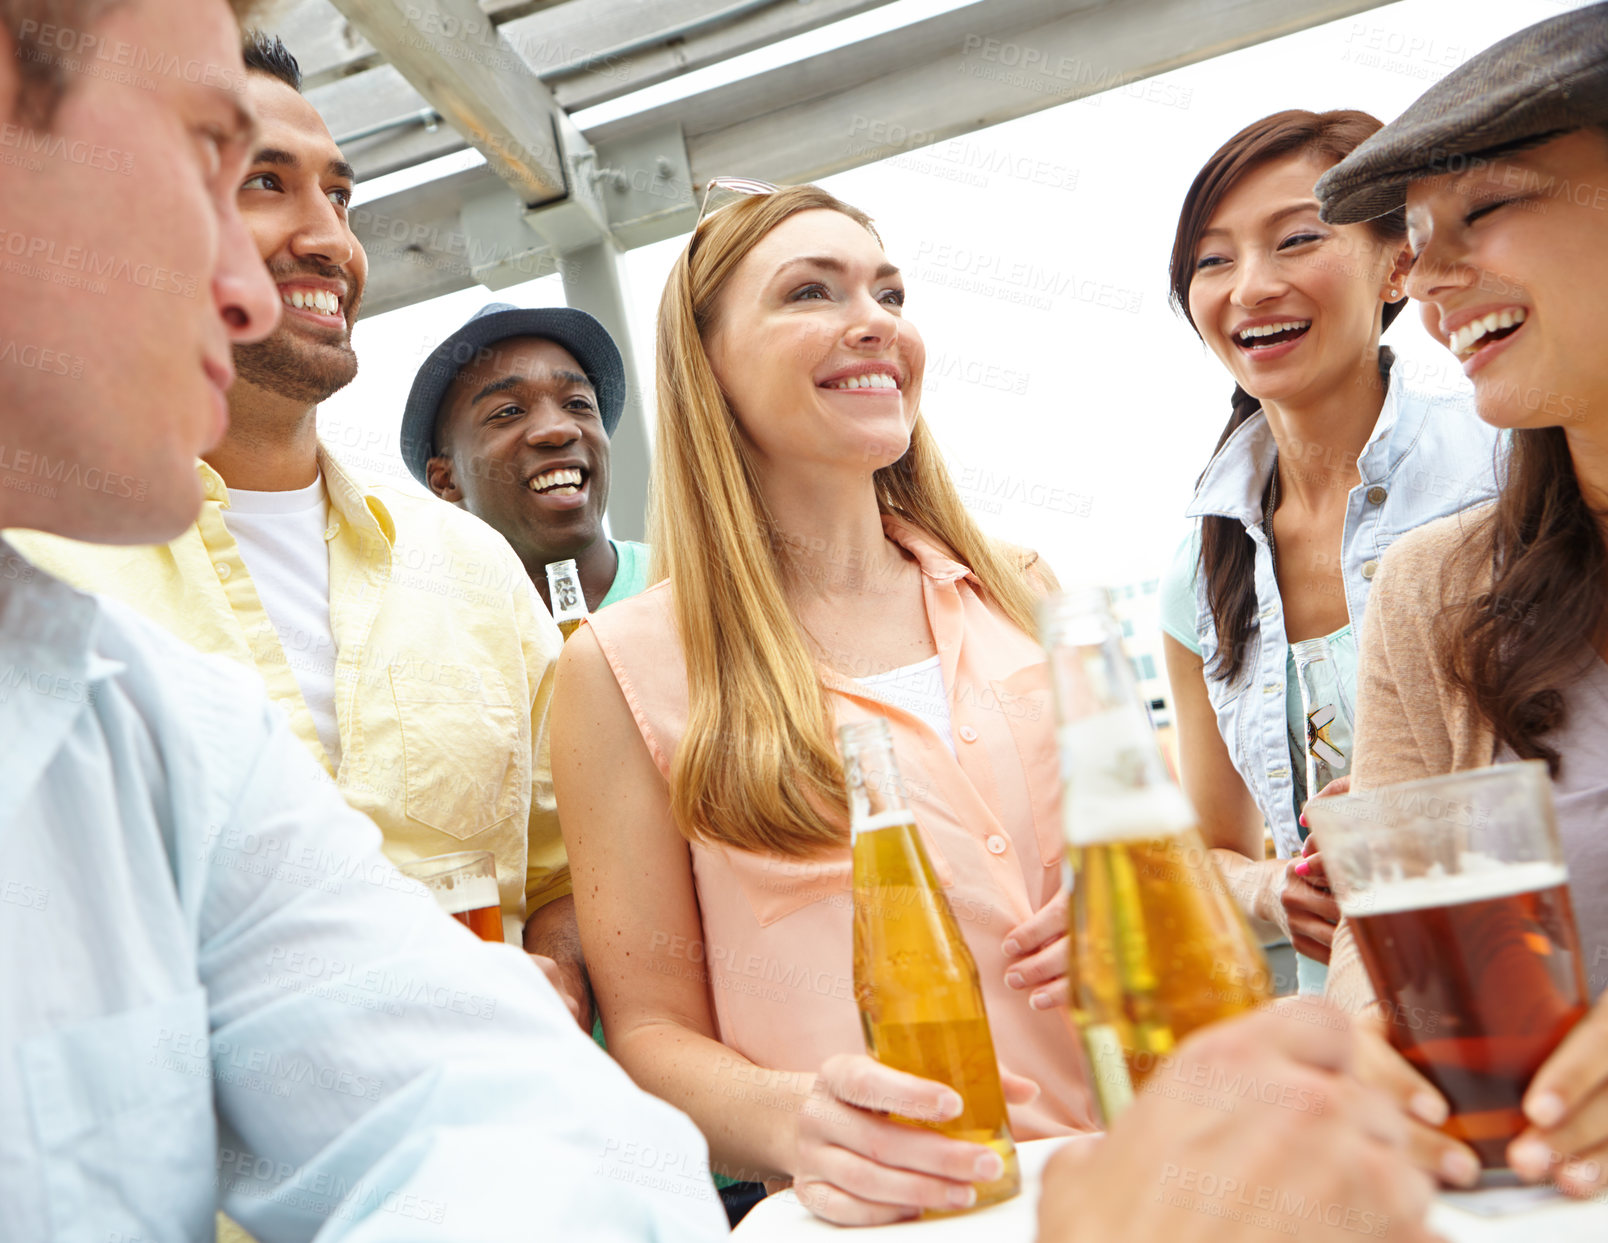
(818, 568)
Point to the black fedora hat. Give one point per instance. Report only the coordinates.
(576, 331)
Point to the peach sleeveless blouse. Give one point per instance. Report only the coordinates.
(777, 932)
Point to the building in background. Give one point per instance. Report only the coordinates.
(1137, 607)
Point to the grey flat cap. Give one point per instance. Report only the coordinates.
(1549, 77)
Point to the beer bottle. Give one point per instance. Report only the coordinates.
(1158, 945)
(915, 982)
(1327, 748)
(1327, 744)
(564, 586)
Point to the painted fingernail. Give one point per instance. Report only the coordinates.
(1529, 1157)
(1011, 948)
(989, 1165)
(1459, 1168)
(1304, 824)
(1014, 979)
(1302, 868)
(962, 1197)
(1546, 1109)
(1429, 1107)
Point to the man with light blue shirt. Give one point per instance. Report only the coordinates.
(219, 992)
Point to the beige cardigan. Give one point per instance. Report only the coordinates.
(1410, 722)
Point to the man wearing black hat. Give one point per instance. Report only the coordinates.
(510, 417)
(399, 636)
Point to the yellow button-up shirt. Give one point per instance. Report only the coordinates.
(443, 675)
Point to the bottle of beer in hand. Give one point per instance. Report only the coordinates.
(1158, 945)
(915, 981)
(564, 586)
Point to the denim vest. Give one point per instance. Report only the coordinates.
(1429, 456)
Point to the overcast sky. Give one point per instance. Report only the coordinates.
(1074, 407)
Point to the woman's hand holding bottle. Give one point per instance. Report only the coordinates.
(857, 1164)
(1309, 904)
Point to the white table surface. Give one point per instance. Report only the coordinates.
(1498, 1216)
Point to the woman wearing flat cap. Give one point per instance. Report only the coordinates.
(1486, 635)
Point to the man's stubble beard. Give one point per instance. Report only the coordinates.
(309, 375)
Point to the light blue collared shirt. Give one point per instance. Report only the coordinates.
(1429, 455)
(218, 993)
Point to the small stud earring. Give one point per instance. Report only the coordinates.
(1395, 294)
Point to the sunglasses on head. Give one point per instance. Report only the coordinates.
(735, 185)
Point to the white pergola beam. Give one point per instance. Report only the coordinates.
(926, 82)
(466, 70)
(954, 74)
(328, 46)
(634, 46)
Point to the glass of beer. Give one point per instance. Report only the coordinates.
(1456, 891)
(464, 885)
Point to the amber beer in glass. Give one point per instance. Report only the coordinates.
(915, 981)
(1456, 891)
(564, 589)
(1158, 945)
(464, 885)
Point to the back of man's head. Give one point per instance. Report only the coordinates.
(48, 35)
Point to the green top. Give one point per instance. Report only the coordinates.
(631, 575)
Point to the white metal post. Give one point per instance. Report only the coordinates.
(592, 284)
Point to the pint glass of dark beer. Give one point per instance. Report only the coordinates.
(464, 885)
(1456, 891)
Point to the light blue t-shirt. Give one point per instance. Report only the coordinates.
(1178, 613)
(1178, 620)
(1428, 455)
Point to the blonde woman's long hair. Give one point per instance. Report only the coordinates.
(758, 768)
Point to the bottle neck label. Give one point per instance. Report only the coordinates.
(564, 588)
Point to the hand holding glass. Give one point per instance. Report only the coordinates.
(1456, 891)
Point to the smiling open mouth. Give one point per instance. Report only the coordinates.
(564, 481)
(1475, 335)
(320, 300)
(1265, 336)
(875, 379)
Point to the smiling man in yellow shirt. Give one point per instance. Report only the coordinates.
(401, 636)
